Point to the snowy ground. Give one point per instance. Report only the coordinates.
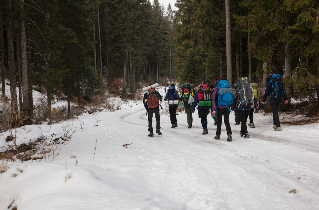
(110, 163)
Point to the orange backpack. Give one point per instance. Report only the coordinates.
(153, 98)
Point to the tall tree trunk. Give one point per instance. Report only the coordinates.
(24, 67)
(14, 107)
(49, 99)
(94, 35)
(265, 74)
(237, 62)
(287, 61)
(30, 94)
(3, 72)
(228, 41)
(18, 66)
(99, 41)
(220, 67)
(124, 73)
(241, 55)
(249, 54)
(170, 65)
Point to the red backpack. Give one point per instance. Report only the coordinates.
(204, 96)
(152, 98)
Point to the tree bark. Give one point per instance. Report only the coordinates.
(100, 44)
(18, 66)
(3, 72)
(287, 61)
(228, 41)
(14, 107)
(265, 74)
(24, 67)
(249, 54)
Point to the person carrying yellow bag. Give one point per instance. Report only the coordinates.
(187, 96)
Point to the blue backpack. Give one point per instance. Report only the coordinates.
(225, 93)
(171, 94)
(278, 86)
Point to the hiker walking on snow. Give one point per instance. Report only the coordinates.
(223, 99)
(172, 97)
(254, 106)
(203, 98)
(237, 120)
(151, 101)
(187, 96)
(244, 98)
(276, 91)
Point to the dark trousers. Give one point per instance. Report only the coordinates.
(237, 120)
(275, 115)
(220, 113)
(189, 113)
(251, 115)
(243, 115)
(172, 114)
(157, 117)
(202, 114)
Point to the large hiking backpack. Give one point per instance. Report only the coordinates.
(278, 86)
(172, 96)
(204, 96)
(152, 98)
(187, 93)
(245, 92)
(225, 93)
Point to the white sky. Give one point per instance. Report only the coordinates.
(166, 2)
(110, 163)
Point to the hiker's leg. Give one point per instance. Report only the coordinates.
(243, 119)
(237, 120)
(226, 121)
(274, 108)
(204, 119)
(172, 114)
(188, 111)
(150, 116)
(219, 121)
(251, 116)
(158, 119)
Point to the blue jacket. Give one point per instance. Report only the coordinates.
(269, 90)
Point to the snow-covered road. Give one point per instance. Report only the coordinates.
(114, 165)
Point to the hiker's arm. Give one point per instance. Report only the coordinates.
(267, 90)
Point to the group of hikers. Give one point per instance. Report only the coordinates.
(219, 99)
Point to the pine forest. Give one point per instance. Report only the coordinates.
(78, 50)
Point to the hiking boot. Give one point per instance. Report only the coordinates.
(158, 132)
(241, 134)
(176, 125)
(205, 132)
(246, 136)
(274, 126)
(229, 137)
(190, 126)
(151, 135)
(251, 125)
(217, 137)
(278, 129)
(173, 126)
